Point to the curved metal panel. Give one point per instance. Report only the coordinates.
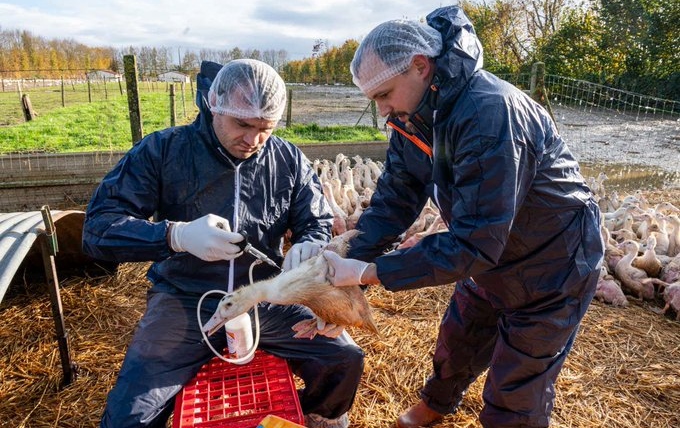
(18, 233)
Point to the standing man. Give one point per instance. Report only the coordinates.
(521, 221)
(175, 199)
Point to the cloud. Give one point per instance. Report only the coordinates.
(207, 24)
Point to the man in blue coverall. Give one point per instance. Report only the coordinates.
(521, 221)
(164, 202)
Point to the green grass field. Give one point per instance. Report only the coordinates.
(103, 123)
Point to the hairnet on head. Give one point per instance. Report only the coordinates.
(248, 89)
(388, 50)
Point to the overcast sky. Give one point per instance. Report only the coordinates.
(292, 25)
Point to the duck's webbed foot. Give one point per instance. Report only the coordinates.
(309, 328)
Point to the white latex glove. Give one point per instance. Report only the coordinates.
(209, 238)
(343, 272)
(300, 252)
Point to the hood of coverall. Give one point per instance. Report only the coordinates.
(461, 56)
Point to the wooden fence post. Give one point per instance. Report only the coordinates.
(63, 95)
(537, 88)
(130, 66)
(374, 114)
(184, 104)
(173, 115)
(289, 112)
(29, 113)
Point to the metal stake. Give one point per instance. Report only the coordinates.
(49, 248)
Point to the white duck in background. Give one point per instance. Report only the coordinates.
(635, 280)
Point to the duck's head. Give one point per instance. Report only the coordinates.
(230, 307)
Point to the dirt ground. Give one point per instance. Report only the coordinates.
(602, 136)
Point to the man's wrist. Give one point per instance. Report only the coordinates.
(369, 276)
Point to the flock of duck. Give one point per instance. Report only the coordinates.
(642, 242)
(642, 253)
(642, 249)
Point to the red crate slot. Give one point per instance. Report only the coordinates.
(225, 395)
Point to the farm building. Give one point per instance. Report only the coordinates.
(103, 75)
(173, 76)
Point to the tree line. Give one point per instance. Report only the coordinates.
(632, 45)
(628, 44)
(25, 55)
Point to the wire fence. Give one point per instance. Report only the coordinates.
(48, 95)
(323, 105)
(591, 97)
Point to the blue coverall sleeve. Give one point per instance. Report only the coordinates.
(119, 223)
(491, 177)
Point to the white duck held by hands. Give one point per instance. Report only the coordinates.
(305, 285)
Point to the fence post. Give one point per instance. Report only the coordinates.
(89, 90)
(537, 88)
(173, 116)
(374, 114)
(48, 250)
(63, 95)
(289, 112)
(29, 113)
(130, 67)
(184, 105)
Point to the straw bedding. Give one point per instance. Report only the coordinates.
(624, 370)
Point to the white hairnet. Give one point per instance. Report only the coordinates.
(248, 89)
(388, 50)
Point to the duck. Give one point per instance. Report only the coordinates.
(635, 280)
(421, 222)
(437, 225)
(609, 289)
(358, 209)
(663, 241)
(643, 224)
(304, 285)
(608, 203)
(671, 295)
(612, 253)
(597, 184)
(671, 271)
(666, 208)
(649, 262)
(339, 215)
(623, 234)
(673, 235)
(376, 168)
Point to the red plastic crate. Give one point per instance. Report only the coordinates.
(225, 395)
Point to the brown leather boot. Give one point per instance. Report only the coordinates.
(418, 415)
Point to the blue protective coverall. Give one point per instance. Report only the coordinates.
(181, 174)
(521, 221)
